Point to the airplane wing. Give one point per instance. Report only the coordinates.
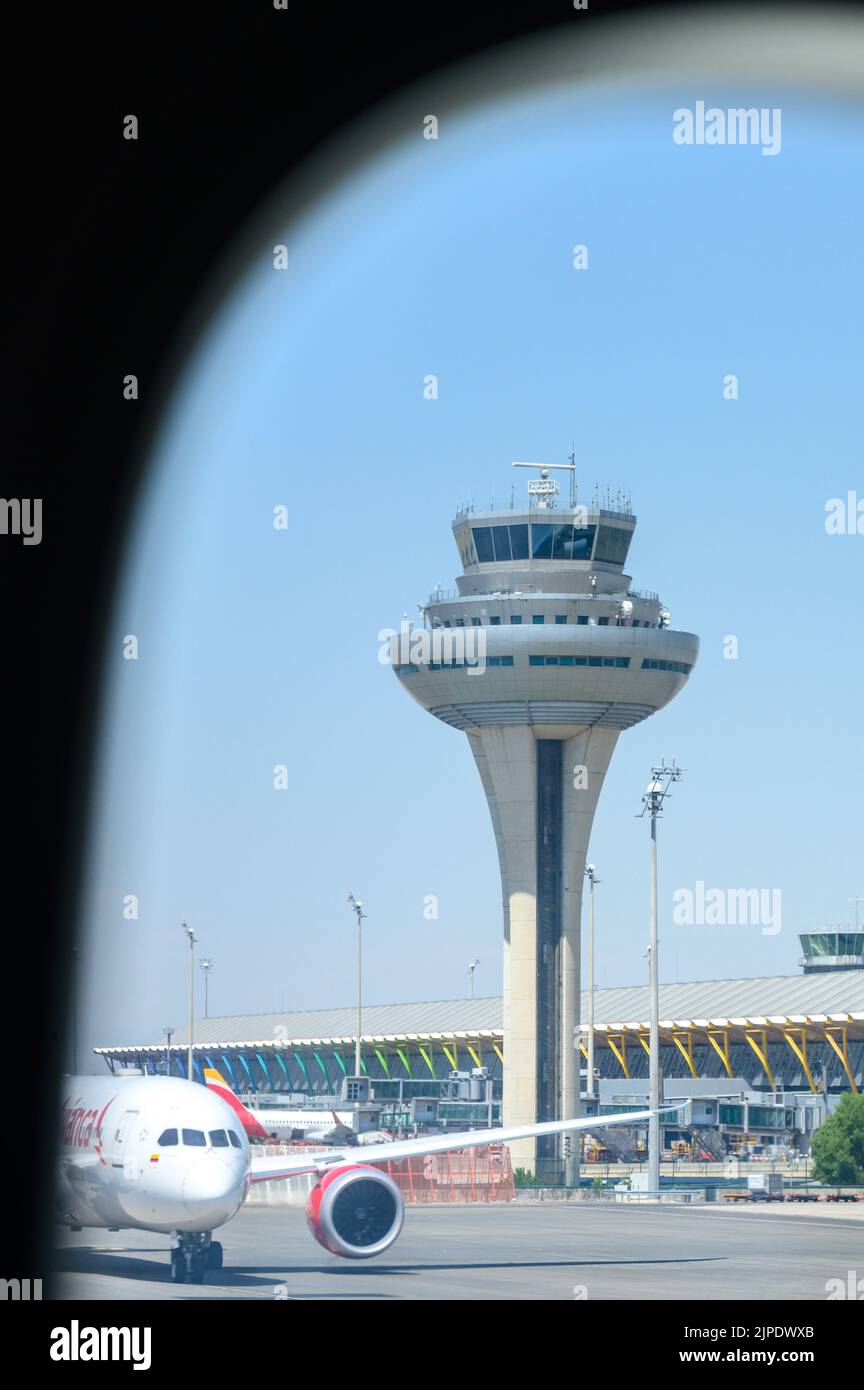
(266, 1169)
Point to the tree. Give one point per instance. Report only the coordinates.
(838, 1146)
(522, 1177)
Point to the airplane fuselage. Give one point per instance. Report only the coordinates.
(285, 1123)
(159, 1154)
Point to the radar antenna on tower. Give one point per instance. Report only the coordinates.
(544, 490)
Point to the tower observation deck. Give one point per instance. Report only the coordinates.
(542, 655)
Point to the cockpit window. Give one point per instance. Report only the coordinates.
(195, 1138)
(219, 1139)
(166, 1138)
(234, 1139)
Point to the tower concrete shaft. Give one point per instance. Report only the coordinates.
(542, 657)
(542, 795)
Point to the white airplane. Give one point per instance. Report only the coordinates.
(325, 1126)
(160, 1154)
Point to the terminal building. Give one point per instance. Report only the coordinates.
(760, 1048)
(542, 656)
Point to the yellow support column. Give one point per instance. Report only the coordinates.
(620, 1052)
(761, 1050)
(800, 1050)
(722, 1052)
(686, 1053)
(842, 1054)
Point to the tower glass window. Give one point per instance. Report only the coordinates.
(683, 667)
(501, 542)
(582, 543)
(572, 542)
(519, 542)
(561, 541)
(541, 540)
(833, 943)
(495, 543)
(612, 545)
(467, 553)
(483, 543)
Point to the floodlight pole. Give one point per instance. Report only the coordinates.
(358, 908)
(653, 804)
(591, 875)
(472, 966)
(191, 935)
(206, 967)
(654, 1033)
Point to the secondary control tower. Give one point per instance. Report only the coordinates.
(541, 656)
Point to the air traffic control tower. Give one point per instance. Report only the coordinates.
(541, 657)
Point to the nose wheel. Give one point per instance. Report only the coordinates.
(191, 1253)
(213, 1255)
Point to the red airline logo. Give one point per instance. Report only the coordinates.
(80, 1126)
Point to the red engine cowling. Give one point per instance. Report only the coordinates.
(355, 1211)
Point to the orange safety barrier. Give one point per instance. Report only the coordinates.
(460, 1175)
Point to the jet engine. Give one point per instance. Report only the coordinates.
(355, 1211)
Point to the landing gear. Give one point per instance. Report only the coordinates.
(191, 1253)
(213, 1256)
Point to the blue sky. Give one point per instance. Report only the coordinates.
(259, 647)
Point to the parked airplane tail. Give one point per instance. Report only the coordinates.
(219, 1085)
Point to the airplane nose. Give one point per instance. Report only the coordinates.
(210, 1189)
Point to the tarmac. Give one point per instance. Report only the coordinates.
(554, 1251)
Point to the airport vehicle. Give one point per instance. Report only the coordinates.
(765, 1187)
(761, 1187)
(160, 1154)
